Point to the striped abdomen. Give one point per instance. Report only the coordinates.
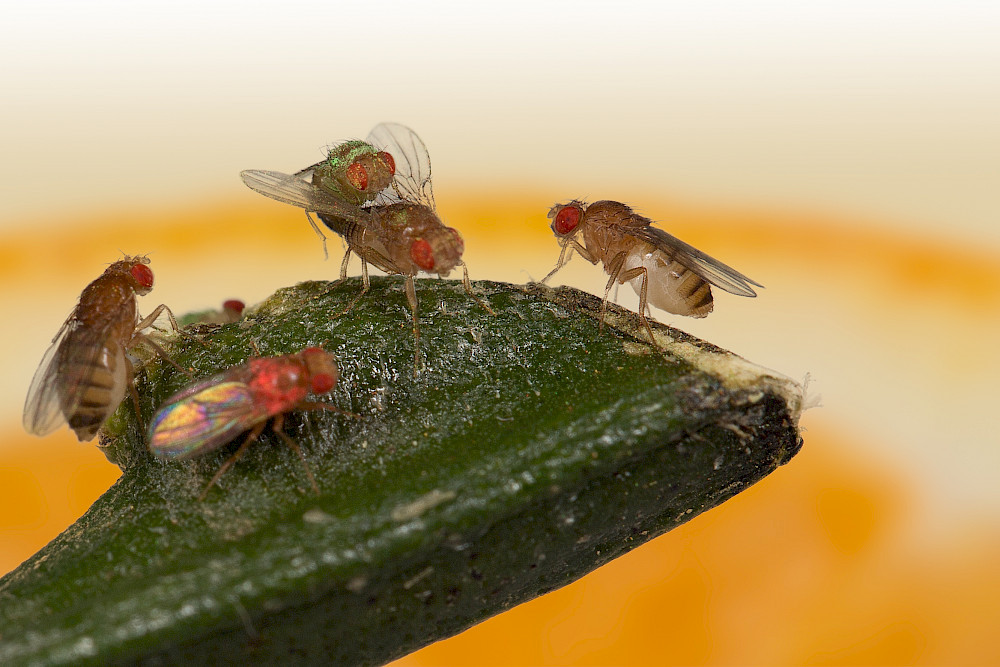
(362, 239)
(672, 286)
(94, 387)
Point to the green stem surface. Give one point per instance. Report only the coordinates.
(531, 448)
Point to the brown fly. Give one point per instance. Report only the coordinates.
(663, 270)
(86, 371)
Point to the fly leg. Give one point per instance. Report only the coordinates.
(254, 434)
(567, 254)
(632, 274)
(138, 337)
(365, 284)
(562, 260)
(344, 263)
(614, 267)
(130, 381)
(147, 322)
(279, 422)
(411, 297)
(135, 402)
(468, 288)
(304, 406)
(316, 405)
(321, 235)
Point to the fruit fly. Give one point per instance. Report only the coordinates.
(86, 371)
(396, 229)
(232, 311)
(212, 412)
(353, 173)
(663, 270)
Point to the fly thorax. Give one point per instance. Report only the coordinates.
(397, 218)
(278, 382)
(105, 296)
(602, 242)
(606, 212)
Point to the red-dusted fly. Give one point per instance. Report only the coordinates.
(86, 371)
(397, 230)
(212, 412)
(663, 270)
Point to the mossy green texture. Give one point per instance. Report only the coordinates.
(531, 448)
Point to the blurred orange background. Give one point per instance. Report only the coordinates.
(846, 157)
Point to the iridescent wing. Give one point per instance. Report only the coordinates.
(296, 190)
(412, 181)
(709, 268)
(203, 417)
(58, 385)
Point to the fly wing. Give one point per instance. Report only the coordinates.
(60, 381)
(295, 190)
(203, 417)
(307, 173)
(709, 268)
(42, 410)
(412, 181)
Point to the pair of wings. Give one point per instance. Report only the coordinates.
(712, 270)
(56, 389)
(411, 182)
(203, 417)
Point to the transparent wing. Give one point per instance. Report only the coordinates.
(57, 387)
(412, 181)
(203, 417)
(709, 268)
(295, 190)
(307, 173)
(42, 412)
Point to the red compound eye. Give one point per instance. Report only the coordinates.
(322, 383)
(321, 367)
(389, 162)
(234, 305)
(566, 220)
(422, 254)
(143, 275)
(357, 175)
